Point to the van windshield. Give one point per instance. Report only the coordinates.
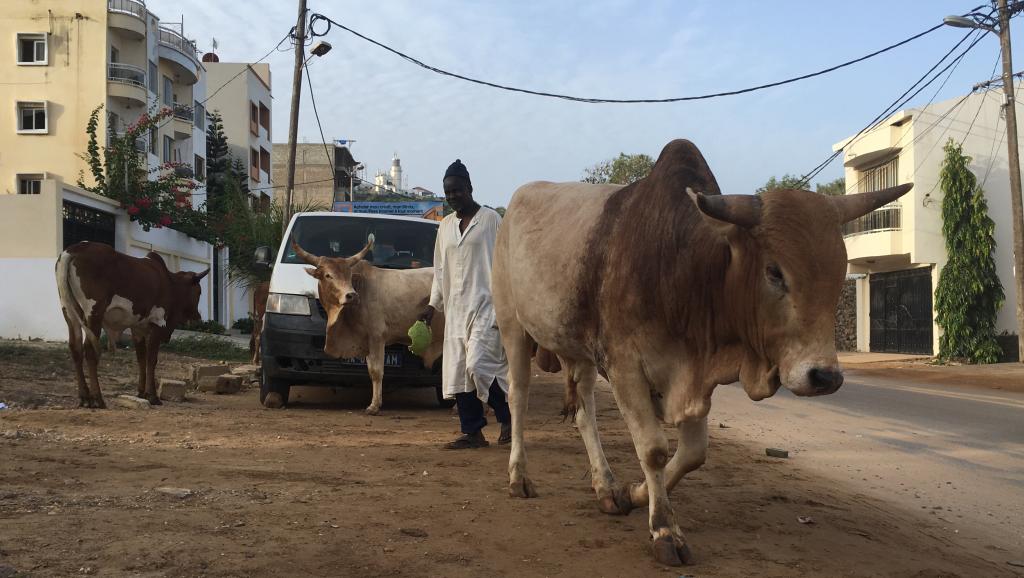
(397, 244)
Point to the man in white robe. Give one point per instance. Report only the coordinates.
(475, 370)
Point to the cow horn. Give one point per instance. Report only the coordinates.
(740, 210)
(859, 204)
(306, 256)
(199, 276)
(359, 256)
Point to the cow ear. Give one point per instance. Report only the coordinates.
(313, 272)
(721, 210)
(857, 205)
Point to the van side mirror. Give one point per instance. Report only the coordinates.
(263, 256)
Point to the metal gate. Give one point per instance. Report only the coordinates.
(82, 223)
(901, 312)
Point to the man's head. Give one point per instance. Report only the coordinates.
(458, 189)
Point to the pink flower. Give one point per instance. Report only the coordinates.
(165, 220)
(133, 210)
(144, 202)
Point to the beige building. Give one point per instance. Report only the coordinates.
(319, 178)
(61, 61)
(897, 252)
(245, 104)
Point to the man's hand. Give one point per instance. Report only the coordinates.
(428, 314)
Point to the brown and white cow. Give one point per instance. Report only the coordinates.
(102, 289)
(669, 288)
(369, 308)
(259, 306)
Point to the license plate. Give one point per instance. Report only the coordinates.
(391, 359)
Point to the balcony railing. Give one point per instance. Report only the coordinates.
(135, 8)
(141, 142)
(174, 39)
(127, 74)
(184, 112)
(887, 218)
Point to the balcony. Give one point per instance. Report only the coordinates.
(181, 53)
(127, 82)
(128, 16)
(141, 142)
(886, 218)
(877, 235)
(183, 120)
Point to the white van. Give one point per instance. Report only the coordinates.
(294, 326)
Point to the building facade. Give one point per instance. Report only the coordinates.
(897, 252)
(64, 60)
(241, 94)
(321, 176)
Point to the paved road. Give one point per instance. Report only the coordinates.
(952, 452)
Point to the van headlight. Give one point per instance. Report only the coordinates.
(286, 304)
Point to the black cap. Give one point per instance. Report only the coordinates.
(457, 169)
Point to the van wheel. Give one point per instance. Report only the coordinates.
(441, 401)
(273, 392)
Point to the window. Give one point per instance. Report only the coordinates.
(168, 147)
(265, 160)
(115, 55)
(154, 78)
(254, 165)
(200, 117)
(30, 184)
(32, 118)
(254, 119)
(398, 244)
(265, 119)
(879, 177)
(168, 95)
(200, 166)
(264, 203)
(32, 49)
(153, 142)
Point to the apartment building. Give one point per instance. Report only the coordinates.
(897, 252)
(242, 96)
(62, 60)
(322, 174)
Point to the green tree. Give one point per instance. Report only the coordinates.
(622, 170)
(969, 293)
(836, 188)
(787, 181)
(218, 155)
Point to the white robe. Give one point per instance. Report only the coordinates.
(473, 355)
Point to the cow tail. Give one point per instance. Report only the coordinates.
(71, 299)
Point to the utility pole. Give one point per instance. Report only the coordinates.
(293, 128)
(1014, 159)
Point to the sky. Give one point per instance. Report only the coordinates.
(593, 48)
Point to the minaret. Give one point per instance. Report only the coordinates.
(396, 173)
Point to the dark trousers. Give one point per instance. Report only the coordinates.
(471, 410)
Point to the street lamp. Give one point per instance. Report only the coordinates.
(1002, 28)
(351, 179)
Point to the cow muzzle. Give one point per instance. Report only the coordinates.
(825, 380)
(350, 298)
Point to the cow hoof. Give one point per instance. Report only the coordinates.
(372, 410)
(154, 400)
(670, 552)
(273, 400)
(522, 489)
(100, 404)
(83, 402)
(618, 503)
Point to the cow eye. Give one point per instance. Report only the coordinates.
(775, 277)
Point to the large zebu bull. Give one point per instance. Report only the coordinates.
(100, 288)
(369, 308)
(669, 288)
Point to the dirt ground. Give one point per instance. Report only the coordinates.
(997, 376)
(323, 490)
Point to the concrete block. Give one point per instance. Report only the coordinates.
(171, 390)
(199, 371)
(245, 370)
(207, 383)
(229, 384)
(131, 402)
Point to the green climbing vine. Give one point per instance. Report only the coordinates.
(969, 293)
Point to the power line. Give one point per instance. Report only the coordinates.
(242, 71)
(312, 97)
(330, 23)
(901, 100)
